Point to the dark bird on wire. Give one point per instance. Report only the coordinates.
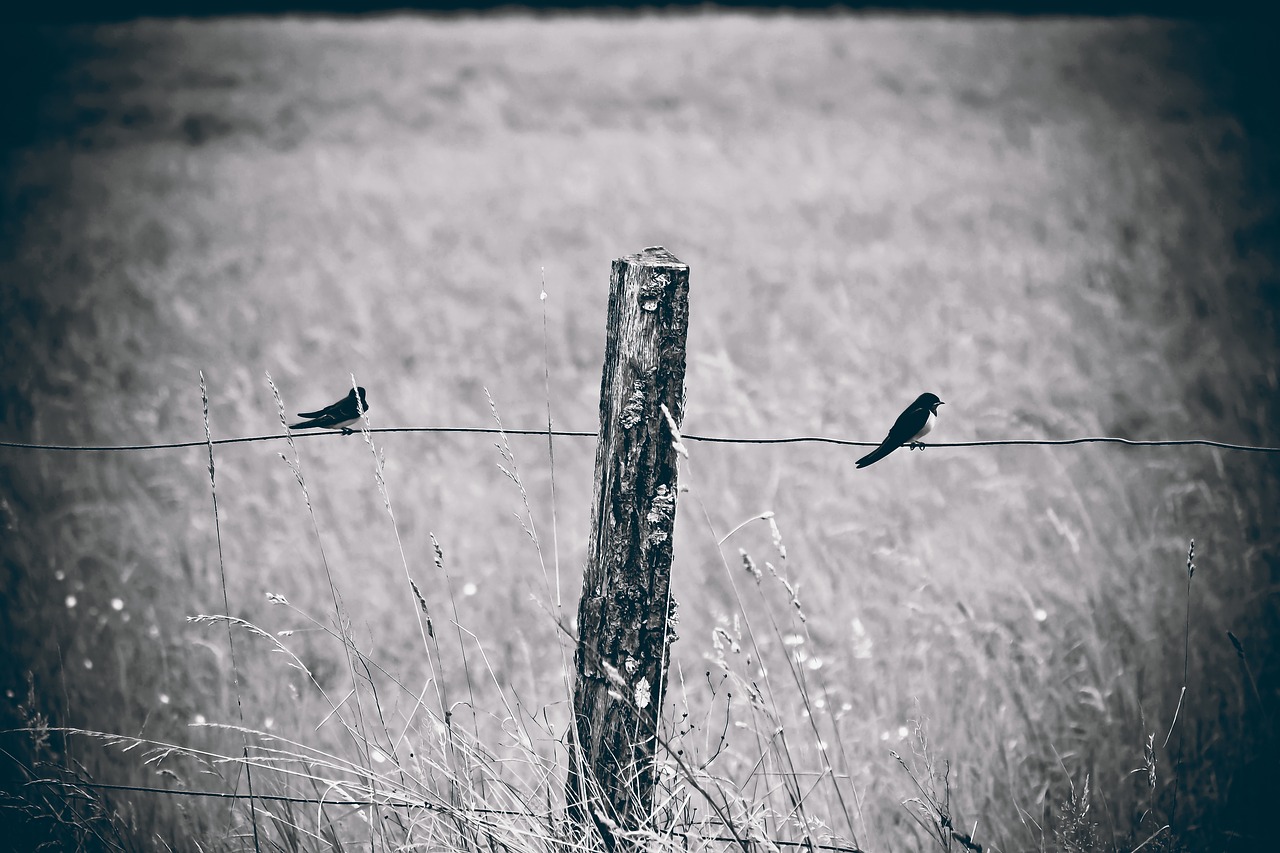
(340, 415)
(910, 427)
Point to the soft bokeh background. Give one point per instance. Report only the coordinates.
(1062, 227)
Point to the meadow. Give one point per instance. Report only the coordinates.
(1061, 227)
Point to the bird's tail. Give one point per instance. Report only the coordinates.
(875, 456)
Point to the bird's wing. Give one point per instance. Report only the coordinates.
(327, 418)
(339, 408)
(907, 426)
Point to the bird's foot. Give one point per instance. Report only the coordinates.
(346, 431)
(915, 445)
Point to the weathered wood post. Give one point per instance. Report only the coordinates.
(624, 616)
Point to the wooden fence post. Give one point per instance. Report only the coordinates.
(625, 614)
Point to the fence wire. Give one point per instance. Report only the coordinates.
(710, 439)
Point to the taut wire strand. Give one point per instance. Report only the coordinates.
(712, 439)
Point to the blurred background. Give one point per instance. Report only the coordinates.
(1062, 225)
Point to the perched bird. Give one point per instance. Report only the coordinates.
(910, 427)
(340, 415)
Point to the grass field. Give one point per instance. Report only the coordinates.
(1063, 228)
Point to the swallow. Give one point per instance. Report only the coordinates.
(340, 415)
(909, 428)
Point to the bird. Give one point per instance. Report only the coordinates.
(915, 422)
(338, 416)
